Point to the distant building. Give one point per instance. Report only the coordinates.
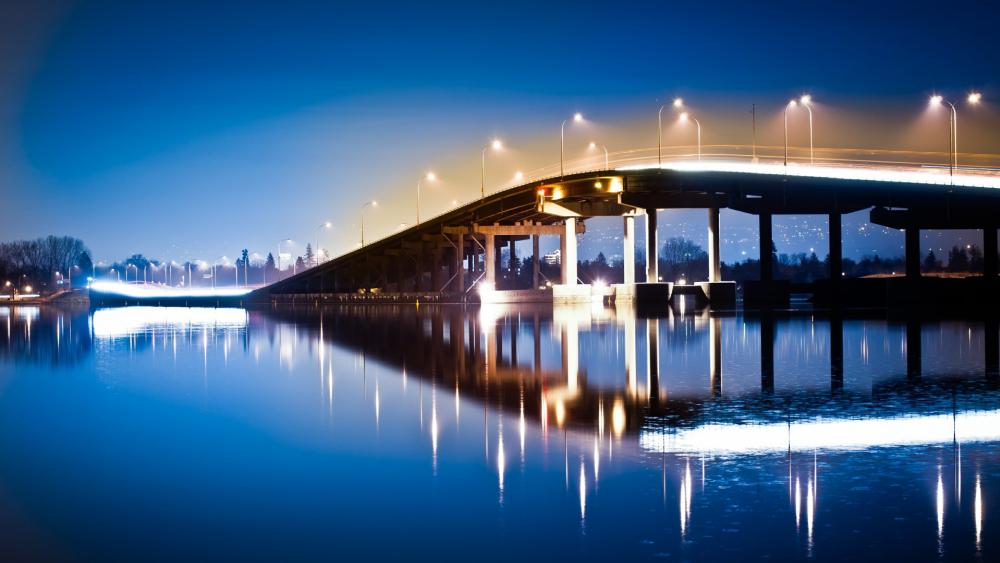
(553, 257)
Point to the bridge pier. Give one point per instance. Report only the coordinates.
(568, 254)
(512, 263)
(490, 261)
(912, 235)
(628, 252)
(652, 248)
(766, 292)
(535, 259)
(714, 262)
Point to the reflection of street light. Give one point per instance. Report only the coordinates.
(325, 225)
(371, 203)
(577, 118)
(594, 145)
(683, 118)
(496, 145)
(430, 177)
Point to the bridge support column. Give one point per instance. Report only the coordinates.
(436, 270)
(490, 261)
(628, 252)
(535, 259)
(836, 237)
(912, 252)
(568, 255)
(714, 262)
(652, 248)
(497, 263)
(459, 280)
(990, 253)
(512, 264)
(766, 245)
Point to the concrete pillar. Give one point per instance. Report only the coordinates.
(436, 270)
(912, 253)
(714, 262)
(491, 265)
(652, 248)
(459, 282)
(628, 252)
(535, 262)
(512, 264)
(836, 236)
(990, 252)
(766, 238)
(569, 254)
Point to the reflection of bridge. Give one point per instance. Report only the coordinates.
(495, 355)
(444, 258)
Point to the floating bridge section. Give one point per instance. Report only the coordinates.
(455, 257)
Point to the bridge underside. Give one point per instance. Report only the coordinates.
(456, 257)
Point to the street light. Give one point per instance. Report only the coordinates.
(496, 145)
(974, 98)
(806, 101)
(430, 177)
(577, 118)
(594, 145)
(136, 272)
(683, 118)
(371, 203)
(324, 225)
(790, 104)
(678, 103)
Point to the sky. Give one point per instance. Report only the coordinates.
(186, 130)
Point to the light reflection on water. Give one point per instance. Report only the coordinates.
(151, 433)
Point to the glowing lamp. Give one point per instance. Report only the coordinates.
(806, 99)
(936, 99)
(975, 98)
(678, 103)
(496, 144)
(578, 117)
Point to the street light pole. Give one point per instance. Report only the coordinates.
(429, 177)
(577, 117)
(806, 101)
(659, 137)
(371, 203)
(791, 104)
(605, 149)
(684, 117)
(936, 100)
(496, 145)
(324, 225)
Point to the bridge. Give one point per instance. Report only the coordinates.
(455, 256)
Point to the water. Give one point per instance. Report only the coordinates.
(390, 433)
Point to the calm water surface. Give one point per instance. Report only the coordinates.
(391, 433)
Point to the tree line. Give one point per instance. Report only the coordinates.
(44, 263)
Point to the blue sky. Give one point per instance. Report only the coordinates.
(186, 130)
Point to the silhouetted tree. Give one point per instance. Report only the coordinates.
(931, 263)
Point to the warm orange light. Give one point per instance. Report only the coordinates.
(518, 175)
(683, 117)
(431, 176)
(496, 144)
(592, 145)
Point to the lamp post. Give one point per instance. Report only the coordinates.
(936, 100)
(577, 118)
(678, 103)
(806, 101)
(371, 203)
(594, 145)
(324, 225)
(136, 272)
(430, 177)
(684, 117)
(790, 104)
(496, 145)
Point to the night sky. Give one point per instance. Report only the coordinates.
(187, 130)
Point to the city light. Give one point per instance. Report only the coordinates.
(936, 99)
(975, 97)
(678, 103)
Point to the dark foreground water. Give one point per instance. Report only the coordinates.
(398, 433)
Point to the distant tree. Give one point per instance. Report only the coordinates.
(310, 258)
(270, 270)
(300, 264)
(958, 260)
(86, 265)
(931, 263)
(975, 259)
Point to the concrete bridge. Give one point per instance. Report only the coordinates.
(455, 257)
